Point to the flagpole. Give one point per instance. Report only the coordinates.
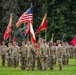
(45, 35)
(52, 37)
(45, 29)
(28, 37)
(63, 38)
(46, 19)
(10, 38)
(24, 39)
(10, 33)
(32, 12)
(31, 23)
(39, 35)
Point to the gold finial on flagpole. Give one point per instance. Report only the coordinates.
(31, 5)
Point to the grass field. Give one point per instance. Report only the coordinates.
(67, 70)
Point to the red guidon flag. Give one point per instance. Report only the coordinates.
(8, 30)
(42, 25)
(73, 42)
(32, 35)
(27, 29)
(14, 39)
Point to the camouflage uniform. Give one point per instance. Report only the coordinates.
(64, 55)
(30, 55)
(38, 54)
(9, 56)
(3, 54)
(19, 53)
(23, 56)
(75, 52)
(59, 56)
(38, 58)
(44, 53)
(55, 53)
(71, 51)
(52, 56)
(68, 54)
(15, 55)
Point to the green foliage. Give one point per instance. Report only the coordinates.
(61, 17)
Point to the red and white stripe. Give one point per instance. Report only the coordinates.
(32, 35)
(24, 18)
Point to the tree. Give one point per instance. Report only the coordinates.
(61, 17)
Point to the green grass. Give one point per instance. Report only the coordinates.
(67, 70)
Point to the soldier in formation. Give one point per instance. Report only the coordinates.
(23, 51)
(9, 53)
(52, 55)
(3, 52)
(46, 55)
(31, 52)
(15, 54)
(59, 54)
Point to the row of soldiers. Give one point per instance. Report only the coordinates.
(45, 54)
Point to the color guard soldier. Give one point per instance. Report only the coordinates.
(23, 55)
(3, 53)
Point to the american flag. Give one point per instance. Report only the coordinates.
(25, 17)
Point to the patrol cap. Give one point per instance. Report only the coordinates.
(44, 40)
(50, 42)
(3, 42)
(28, 42)
(23, 42)
(58, 41)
